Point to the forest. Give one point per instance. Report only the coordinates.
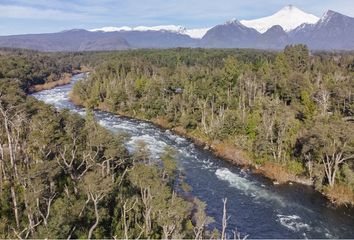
(63, 176)
(287, 114)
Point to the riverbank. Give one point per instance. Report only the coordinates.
(229, 152)
(64, 79)
(277, 173)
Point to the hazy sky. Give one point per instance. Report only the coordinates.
(33, 16)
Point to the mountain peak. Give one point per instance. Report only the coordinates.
(329, 14)
(233, 21)
(289, 18)
(289, 7)
(236, 24)
(332, 16)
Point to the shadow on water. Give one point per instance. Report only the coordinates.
(256, 207)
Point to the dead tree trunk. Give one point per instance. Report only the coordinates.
(224, 220)
(95, 198)
(146, 198)
(14, 203)
(125, 211)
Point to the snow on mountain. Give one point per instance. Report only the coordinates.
(197, 33)
(328, 16)
(170, 28)
(111, 29)
(193, 33)
(289, 18)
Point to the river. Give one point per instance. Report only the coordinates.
(256, 207)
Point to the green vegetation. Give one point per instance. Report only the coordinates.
(62, 176)
(290, 113)
(29, 68)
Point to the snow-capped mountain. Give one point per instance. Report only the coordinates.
(332, 31)
(193, 33)
(289, 18)
(290, 25)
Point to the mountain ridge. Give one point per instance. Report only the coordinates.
(333, 31)
(282, 17)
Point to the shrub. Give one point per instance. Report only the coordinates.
(295, 167)
(276, 172)
(340, 194)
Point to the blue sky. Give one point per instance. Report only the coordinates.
(34, 16)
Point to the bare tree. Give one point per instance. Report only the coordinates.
(237, 235)
(201, 219)
(48, 201)
(73, 164)
(96, 189)
(147, 198)
(334, 157)
(333, 143)
(225, 218)
(126, 210)
(95, 198)
(322, 98)
(12, 122)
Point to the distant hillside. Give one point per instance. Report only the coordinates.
(73, 40)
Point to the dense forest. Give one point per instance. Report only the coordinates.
(288, 114)
(62, 176)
